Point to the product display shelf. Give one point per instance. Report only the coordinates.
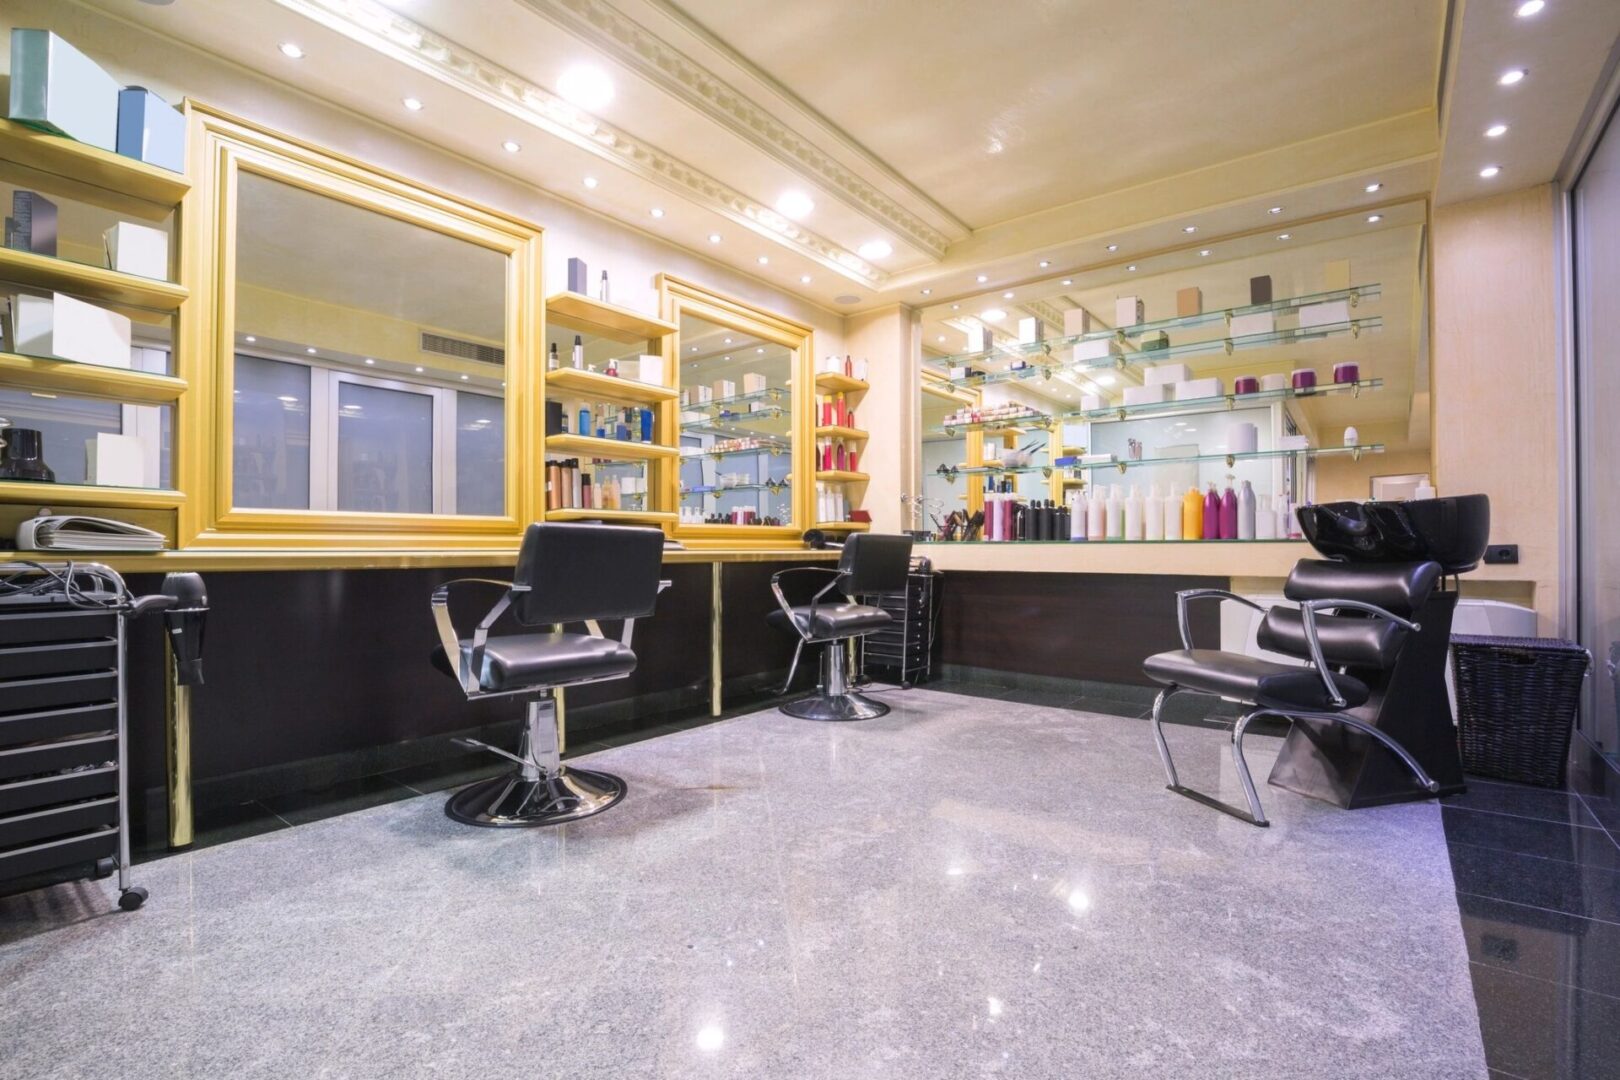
(1188, 459)
(774, 448)
(1126, 412)
(1048, 366)
(112, 180)
(722, 489)
(40, 494)
(774, 423)
(836, 432)
(831, 382)
(841, 476)
(774, 398)
(90, 282)
(589, 446)
(89, 380)
(595, 386)
(1034, 350)
(580, 312)
(651, 517)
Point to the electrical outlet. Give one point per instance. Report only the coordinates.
(1502, 554)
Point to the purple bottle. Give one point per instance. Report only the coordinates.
(1212, 515)
(1229, 513)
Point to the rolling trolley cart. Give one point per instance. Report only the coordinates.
(906, 645)
(64, 784)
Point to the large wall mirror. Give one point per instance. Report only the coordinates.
(372, 352)
(743, 414)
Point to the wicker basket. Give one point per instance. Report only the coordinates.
(1516, 704)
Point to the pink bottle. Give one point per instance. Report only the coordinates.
(1229, 513)
(1212, 515)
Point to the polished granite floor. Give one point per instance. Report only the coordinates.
(970, 886)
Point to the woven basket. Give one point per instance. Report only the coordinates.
(1516, 705)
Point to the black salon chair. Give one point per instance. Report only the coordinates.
(1353, 624)
(565, 574)
(870, 564)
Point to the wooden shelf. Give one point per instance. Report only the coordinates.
(605, 387)
(837, 380)
(654, 517)
(54, 495)
(112, 178)
(611, 449)
(93, 282)
(89, 380)
(843, 526)
(843, 476)
(607, 320)
(836, 432)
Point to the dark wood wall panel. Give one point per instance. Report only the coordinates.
(1078, 626)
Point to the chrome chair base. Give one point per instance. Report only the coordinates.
(834, 699)
(514, 801)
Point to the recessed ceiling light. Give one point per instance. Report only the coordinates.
(1068, 281)
(591, 181)
(1373, 219)
(1275, 210)
(804, 279)
(1131, 268)
(1489, 171)
(942, 337)
(413, 104)
(464, 378)
(1496, 131)
(993, 315)
(694, 348)
(1045, 263)
(764, 260)
(291, 50)
(928, 292)
(956, 307)
(1104, 380)
(1006, 296)
(714, 238)
(875, 249)
(760, 350)
(726, 342)
(794, 204)
(1205, 252)
(1285, 236)
(1529, 8)
(310, 350)
(1189, 228)
(586, 85)
(1113, 247)
(511, 146)
(251, 339)
(728, 358)
(982, 278)
(1372, 187)
(369, 361)
(419, 370)
(1512, 76)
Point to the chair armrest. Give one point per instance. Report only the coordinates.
(781, 601)
(450, 638)
(1357, 605)
(1308, 610)
(1203, 594)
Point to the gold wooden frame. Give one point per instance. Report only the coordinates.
(222, 146)
(678, 296)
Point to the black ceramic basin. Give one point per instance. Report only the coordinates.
(1451, 531)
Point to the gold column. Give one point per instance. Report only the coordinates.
(716, 668)
(177, 702)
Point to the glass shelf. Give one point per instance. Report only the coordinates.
(776, 395)
(771, 420)
(1046, 367)
(1124, 412)
(722, 489)
(1013, 351)
(776, 448)
(1190, 459)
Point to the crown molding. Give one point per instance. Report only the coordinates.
(370, 24)
(702, 90)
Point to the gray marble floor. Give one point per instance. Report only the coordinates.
(965, 887)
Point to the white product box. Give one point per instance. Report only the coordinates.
(1091, 401)
(724, 388)
(1334, 311)
(650, 369)
(703, 395)
(1293, 442)
(67, 329)
(1243, 439)
(1274, 382)
(1192, 389)
(1076, 321)
(115, 460)
(1244, 325)
(1101, 349)
(1147, 395)
(137, 249)
(1030, 331)
(753, 383)
(1128, 311)
(1166, 373)
(978, 337)
(861, 368)
(691, 417)
(57, 87)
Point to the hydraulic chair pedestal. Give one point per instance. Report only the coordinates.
(541, 790)
(1409, 703)
(833, 699)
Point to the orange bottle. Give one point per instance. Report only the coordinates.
(1192, 515)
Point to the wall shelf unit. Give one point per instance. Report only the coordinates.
(836, 432)
(610, 449)
(29, 493)
(578, 311)
(595, 385)
(90, 282)
(89, 380)
(834, 381)
(120, 179)
(1187, 459)
(841, 476)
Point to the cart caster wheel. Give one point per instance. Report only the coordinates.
(105, 867)
(132, 898)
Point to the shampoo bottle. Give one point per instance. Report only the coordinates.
(579, 351)
(1153, 515)
(1229, 512)
(1077, 515)
(1172, 515)
(1245, 509)
(1212, 514)
(1096, 517)
(1115, 514)
(1133, 516)
(1265, 519)
(1192, 515)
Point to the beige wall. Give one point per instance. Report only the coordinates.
(1496, 376)
(1344, 478)
(887, 338)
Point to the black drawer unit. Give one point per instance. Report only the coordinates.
(905, 648)
(58, 658)
(40, 626)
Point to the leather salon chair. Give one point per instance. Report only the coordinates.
(566, 575)
(870, 564)
(1366, 656)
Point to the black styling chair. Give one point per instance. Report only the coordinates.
(870, 564)
(1354, 625)
(565, 574)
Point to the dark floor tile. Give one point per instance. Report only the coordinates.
(1197, 709)
(1107, 706)
(344, 797)
(1606, 808)
(1054, 699)
(450, 773)
(968, 689)
(1527, 836)
(1546, 883)
(1542, 944)
(1533, 1028)
(1517, 799)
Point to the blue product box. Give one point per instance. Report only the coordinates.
(150, 129)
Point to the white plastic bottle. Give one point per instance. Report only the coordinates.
(1153, 515)
(1133, 515)
(1096, 517)
(1172, 515)
(1116, 514)
(1246, 513)
(1077, 514)
(1265, 519)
